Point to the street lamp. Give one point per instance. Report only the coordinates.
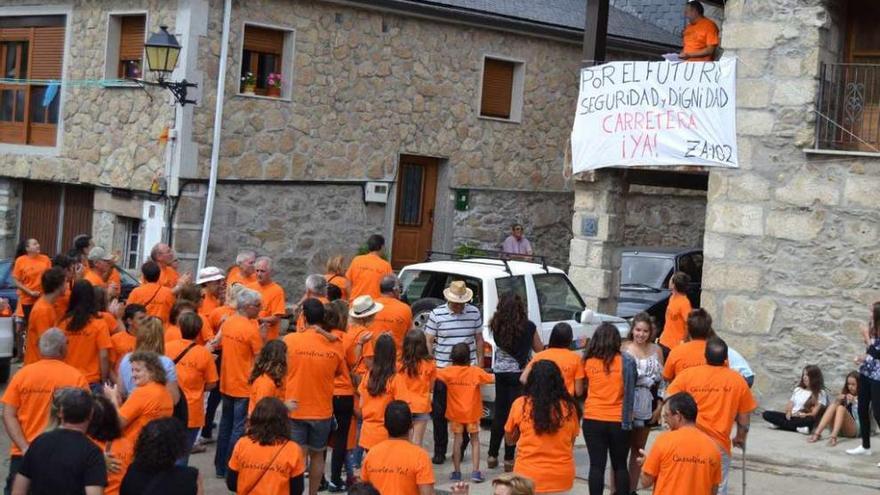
(163, 51)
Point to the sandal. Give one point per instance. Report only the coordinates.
(508, 466)
(815, 437)
(492, 462)
(832, 441)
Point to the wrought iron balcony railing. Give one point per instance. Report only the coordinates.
(848, 108)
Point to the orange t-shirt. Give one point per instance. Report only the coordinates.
(604, 390)
(365, 272)
(301, 319)
(209, 303)
(464, 404)
(84, 346)
(373, 412)
(416, 390)
(235, 277)
(256, 476)
(195, 370)
(397, 466)
(349, 342)
(62, 303)
(122, 343)
(339, 281)
(569, 363)
(29, 272)
(342, 384)
(146, 403)
(98, 281)
(547, 459)
(271, 304)
(172, 332)
(312, 365)
(168, 277)
(685, 356)
(241, 344)
(698, 36)
(675, 328)
(684, 462)
(123, 451)
(721, 393)
(111, 321)
(160, 299)
(31, 391)
(396, 317)
(264, 386)
(220, 315)
(42, 318)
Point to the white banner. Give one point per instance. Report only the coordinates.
(656, 113)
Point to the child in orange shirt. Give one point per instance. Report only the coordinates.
(464, 405)
(269, 372)
(376, 391)
(415, 381)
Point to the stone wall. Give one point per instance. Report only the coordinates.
(10, 198)
(369, 86)
(791, 239)
(664, 216)
(110, 135)
(300, 225)
(668, 15)
(545, 218)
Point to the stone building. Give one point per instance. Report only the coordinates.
(453, 115)
(791, 237)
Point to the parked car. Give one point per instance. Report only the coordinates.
(644, 279)
(549, 295)
(8, 291)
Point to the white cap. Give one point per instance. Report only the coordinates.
(209, 274)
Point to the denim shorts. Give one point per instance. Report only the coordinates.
(311, 433)
(421, 417)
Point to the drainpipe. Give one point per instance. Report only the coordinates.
(215, 144)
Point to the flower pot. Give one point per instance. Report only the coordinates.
(273, 92)
(249, 89)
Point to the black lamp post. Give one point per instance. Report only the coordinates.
(162, 52)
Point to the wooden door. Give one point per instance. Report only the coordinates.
(414, 216)
(54, 214)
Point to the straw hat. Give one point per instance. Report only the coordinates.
(458, 292)
(98, 253)
(209, 274)
(364, 306)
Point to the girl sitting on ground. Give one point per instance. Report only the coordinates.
(805, 406)
(841, 415)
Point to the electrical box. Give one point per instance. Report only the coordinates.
(376, 192)
(462, 199)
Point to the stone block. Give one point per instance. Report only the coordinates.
(752, 34)
(591, 282)
(808, 187)
(860, 191)
(578, 250)
(717, 275)
(795, 226)
(754, 122)
(792, 92)
(753, 93)
(748, 316)
(714, 246)
(747, 187)
(735, 218)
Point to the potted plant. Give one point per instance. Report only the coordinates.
(248, 83)
(273, 85)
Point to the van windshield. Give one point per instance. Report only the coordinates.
(644, 271)
(557, 298)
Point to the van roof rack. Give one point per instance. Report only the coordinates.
(501, 256)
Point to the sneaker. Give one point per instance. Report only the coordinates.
(455, 476)
(198, 448)
(804, 430)
(858, 451)
(206, 440)
(338, 487)
(477, 477)
(323, 486)
(438, 459)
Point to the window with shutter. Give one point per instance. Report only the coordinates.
(497, 88)
(31, 49)
(262, 53)
(132, 30)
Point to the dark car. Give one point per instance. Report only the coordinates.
(7, 288)
(644, 279)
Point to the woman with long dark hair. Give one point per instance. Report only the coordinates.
(415, 381)
(610, 386)
(265, 460)
(841, 416)
(268, 374)
(376, 391)
(543, 424)
(105, 431)
(807, 401)
(869, 382)
(27, 273)
(336, 322)
(515, 337)
(153, 472)
(87, 335)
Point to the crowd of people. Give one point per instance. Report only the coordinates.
(114, 397)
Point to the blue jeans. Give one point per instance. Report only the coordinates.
(191, 435)
(231, 429)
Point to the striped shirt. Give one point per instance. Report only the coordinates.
(449, 329)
